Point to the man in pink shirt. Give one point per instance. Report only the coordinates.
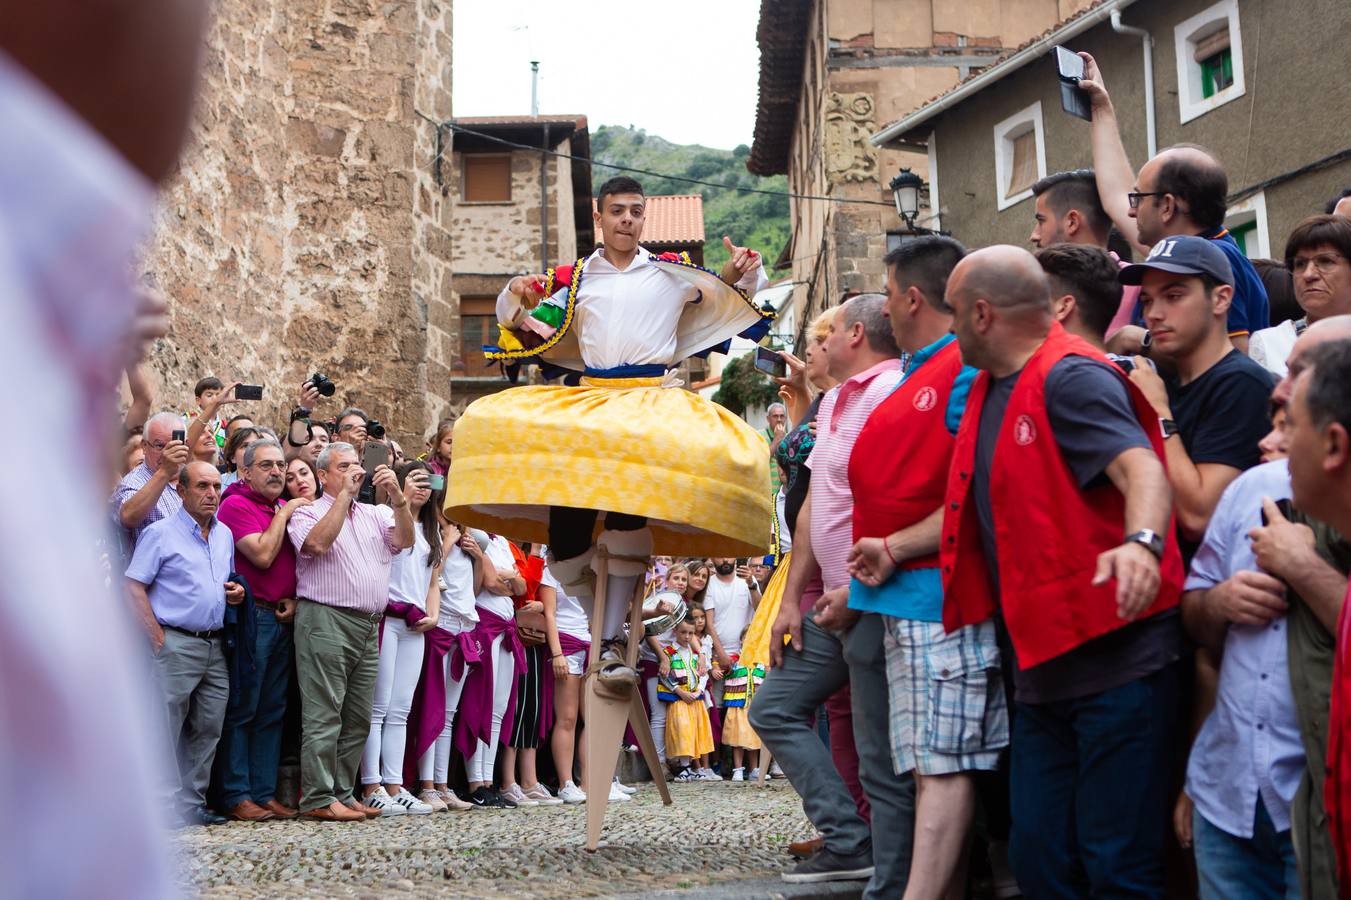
(831, 646)
(250, 747)
(342, 583)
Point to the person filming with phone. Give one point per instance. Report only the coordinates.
(141, 498)
(344, 551)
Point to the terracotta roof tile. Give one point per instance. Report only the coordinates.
(576, 121)
(782, 37)
(672, 219)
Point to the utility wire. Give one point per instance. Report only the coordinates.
(713, 184)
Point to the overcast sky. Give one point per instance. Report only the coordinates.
(686, 72)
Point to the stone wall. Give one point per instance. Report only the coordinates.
(304, 230)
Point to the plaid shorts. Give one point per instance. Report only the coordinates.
(948, 710)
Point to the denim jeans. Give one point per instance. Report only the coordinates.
(783, 715)
(1255, 868)
(250, 747)
(1089, 787)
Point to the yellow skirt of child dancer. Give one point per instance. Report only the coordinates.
(688, 732)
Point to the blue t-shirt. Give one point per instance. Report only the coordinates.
(916, 593)
(1250, 310)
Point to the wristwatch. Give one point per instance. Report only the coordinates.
(1149, 538)
(1169, 428)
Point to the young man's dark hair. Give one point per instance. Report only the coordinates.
(1319, 231)
(1280, 290)
(1332, 204)
(209, 383)
(1075, 189)
(620, 184)
(926, 263)
(1090, 276)
(1202, 186)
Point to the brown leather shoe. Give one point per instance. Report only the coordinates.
(334, 812)
(279, 810)
(248, 811)
(805, 849)
(368, 812)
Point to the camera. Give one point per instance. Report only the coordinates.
(321, 384)
(375, 430)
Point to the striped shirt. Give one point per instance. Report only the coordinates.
(354, 573)
(168, 503)
(843, 413)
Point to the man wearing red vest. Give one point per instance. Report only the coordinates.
(949, 717)
(1057, 519)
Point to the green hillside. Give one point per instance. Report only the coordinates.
(751, 220)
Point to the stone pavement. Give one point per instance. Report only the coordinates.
(716, 840)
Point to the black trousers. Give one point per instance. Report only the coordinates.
(570, 529)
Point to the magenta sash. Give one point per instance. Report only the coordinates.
(400, 610)
(473, 721)
(569, 645)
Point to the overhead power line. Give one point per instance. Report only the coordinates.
(618, 168)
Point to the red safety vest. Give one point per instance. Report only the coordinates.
(898, 468)
(1048, 532)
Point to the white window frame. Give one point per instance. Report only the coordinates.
(935, 205)
(1003, 152)
(1190, 101)
(1254, 209)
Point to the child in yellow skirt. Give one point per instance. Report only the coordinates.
(688, 735)
(739, 689)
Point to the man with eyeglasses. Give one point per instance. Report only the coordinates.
(1180, 191)
(351, 428)
(250, 747)
(1318, 255)
(142, 497)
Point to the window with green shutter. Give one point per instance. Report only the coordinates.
(1217, 72)
(1245, 235)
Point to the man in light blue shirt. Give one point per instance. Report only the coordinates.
(1247, 760)
(177, 582)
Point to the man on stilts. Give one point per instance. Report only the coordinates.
(617, 464)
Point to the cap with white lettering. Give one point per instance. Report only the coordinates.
(1183, 254)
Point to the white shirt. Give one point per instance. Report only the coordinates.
(785, 536)
(628, 317)
(568, 613)
(72, 212)
(1270, 347)
(499, 553)
(733, 604)
(409, 575)
(458, 612)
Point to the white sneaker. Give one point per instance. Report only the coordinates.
(408, 802)
(517, 796)
(624, 787)
(738, 774)
(755, 775)
(571, 793)
(434, 800)
(775, 771)
(382, 801)
(540, 794)
(709, 775)
(618, 796)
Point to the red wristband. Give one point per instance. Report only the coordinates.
(890, 556)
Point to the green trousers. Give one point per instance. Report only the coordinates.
(337, 657)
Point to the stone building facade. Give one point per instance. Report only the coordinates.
(830, 74)
(308, 227)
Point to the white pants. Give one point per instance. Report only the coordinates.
(434, 766)
(658, 723)
(480, 765)
(401, 651)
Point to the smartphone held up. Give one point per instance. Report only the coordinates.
(1069, 67)
(770, 361)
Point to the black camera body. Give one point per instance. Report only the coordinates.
(375, 430)
(323, 385)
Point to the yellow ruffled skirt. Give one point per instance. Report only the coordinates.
(696, 471)
(688, 732)
(755, 646)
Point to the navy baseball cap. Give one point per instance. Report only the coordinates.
(1184, 254)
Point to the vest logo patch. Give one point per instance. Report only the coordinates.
(1024, 430)
(926, 399)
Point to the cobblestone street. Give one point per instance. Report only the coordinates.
(713, 834)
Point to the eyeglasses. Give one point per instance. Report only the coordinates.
(157, 445)
(1134, 197)
(270, 465)
(353, 426)
(1323, 262)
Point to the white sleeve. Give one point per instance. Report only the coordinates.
(756, 281)
(510, 311)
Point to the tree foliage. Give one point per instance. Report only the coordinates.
(744, 386)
